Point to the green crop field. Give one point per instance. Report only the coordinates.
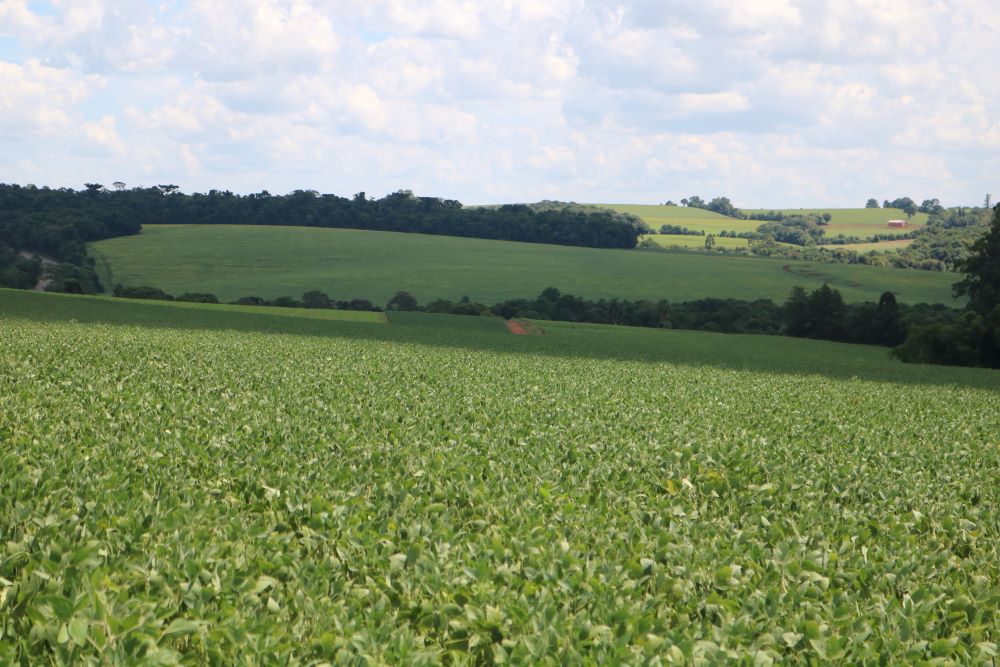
(881, 246)
(861, 222)
(693, 218)
(691, 241)
(868, 217)
(235, 261)
(179, 488)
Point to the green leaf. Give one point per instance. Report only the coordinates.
(943, 647)
(183, 626)
(263, 583)
(78, 631)
(61, 607)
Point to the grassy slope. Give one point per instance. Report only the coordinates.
(691, 241)
(234, 261)
(594, 341)
(428, 492)
(860, 222)
(881, 246)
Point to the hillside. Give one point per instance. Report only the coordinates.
(235, 261)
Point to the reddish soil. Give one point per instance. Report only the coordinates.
(522, 328)
(516, 327)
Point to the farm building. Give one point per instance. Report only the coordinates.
(897, 223)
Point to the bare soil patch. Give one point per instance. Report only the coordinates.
(524, 328)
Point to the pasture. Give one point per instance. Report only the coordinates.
(424, 492)
(860, 222)
(235, 261)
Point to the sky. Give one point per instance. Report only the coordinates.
(773, 103)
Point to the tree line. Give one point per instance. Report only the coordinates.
(820, 314)
(723, 206)
(58, 223)
(973, 339)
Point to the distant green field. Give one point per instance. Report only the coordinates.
(692, 218)
(881, 246)
(874, 217)
(232, 487)
(861, 222)
(689, 241)
(667, 214)
(235, 261)
(305, 313)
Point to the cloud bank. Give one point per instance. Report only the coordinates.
(773, 103)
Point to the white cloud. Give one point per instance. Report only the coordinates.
(16, 18)
(771, 102)
(104, 134)
(693, 103)
(34, 97)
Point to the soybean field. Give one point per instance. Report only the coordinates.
(189, 486)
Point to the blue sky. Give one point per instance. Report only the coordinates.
(773, 103)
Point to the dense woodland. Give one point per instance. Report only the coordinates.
(58, 223)
(974, 338)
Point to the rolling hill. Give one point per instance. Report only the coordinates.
(235, 261)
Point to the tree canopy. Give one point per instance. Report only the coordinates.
(982, 270)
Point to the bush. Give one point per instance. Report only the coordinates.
(144, 292)
(198, 297)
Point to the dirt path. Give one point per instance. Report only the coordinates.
(43, 280)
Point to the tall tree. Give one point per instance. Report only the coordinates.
(402, 301)
(888, 325)
(982, 270)
(797, 313)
